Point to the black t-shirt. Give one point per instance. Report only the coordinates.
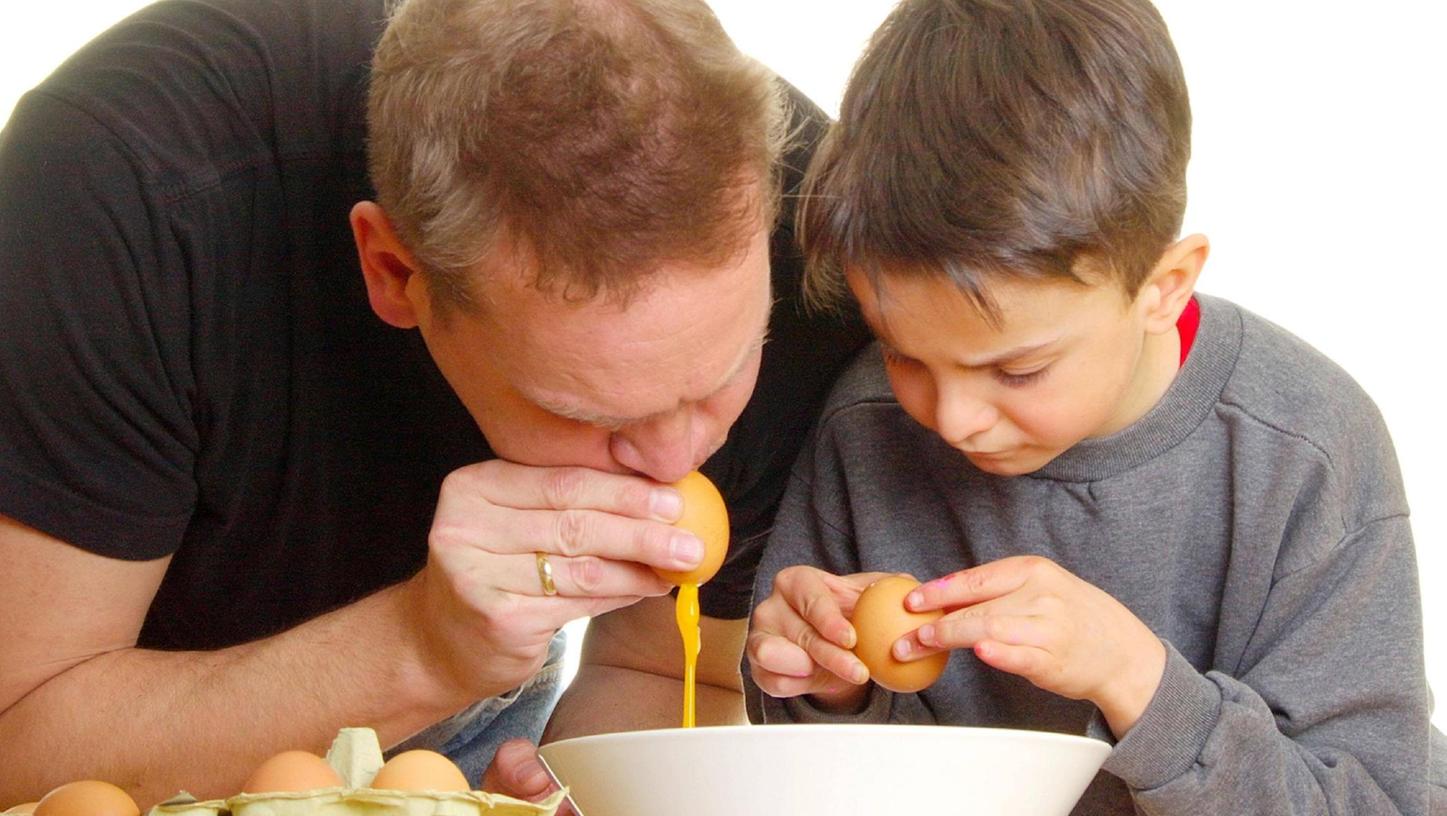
(190, 364)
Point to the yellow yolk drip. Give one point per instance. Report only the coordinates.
(686, 612)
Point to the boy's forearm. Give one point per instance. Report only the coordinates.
(159, 722)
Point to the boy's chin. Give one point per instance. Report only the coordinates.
(1011, 463)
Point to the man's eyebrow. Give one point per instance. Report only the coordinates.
(615, 422)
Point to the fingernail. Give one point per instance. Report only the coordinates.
(860, 675)
(667, 504)
(927, 634)
(901, 649)
(850, 637)
(687, 550)
(914, 599)
(539, 781)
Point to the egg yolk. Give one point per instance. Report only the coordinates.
(706, 516)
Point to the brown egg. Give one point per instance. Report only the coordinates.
(879, 620)
(420, 771)
(706, 516)
(87, 798)
(292, 771)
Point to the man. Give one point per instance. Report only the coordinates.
(237, 511)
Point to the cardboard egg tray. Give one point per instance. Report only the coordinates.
(356, 756)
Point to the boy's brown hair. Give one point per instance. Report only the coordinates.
(593, 139)
(1025, 138)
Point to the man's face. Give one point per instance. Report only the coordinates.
(1065, 362)
(650, 387)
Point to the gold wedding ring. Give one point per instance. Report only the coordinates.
(545, 575)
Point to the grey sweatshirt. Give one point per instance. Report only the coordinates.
(1254, 519)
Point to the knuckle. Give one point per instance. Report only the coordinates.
(587, 574)
(787, 577)
(497, 613)
(570, 530)
(656, 540)
(1036, 565)
(635, 498)
(996, 628)
(562, 486)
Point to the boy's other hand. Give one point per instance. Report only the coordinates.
(1028, 616)
(800, 637)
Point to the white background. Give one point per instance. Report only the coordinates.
(1319, 175)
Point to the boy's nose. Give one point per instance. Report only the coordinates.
(959, 417)
(665, 447)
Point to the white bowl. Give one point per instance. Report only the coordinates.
(826, 770)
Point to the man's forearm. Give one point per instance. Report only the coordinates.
(159, 722)
(630, 675)
(605, 699)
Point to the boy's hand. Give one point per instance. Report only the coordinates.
(1028, 616)
(800, 637)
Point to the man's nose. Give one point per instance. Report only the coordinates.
(665, 447)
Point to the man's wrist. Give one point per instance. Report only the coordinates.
(423, 673)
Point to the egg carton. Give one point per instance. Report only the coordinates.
(356, 756)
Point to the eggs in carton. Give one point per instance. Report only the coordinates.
(353, 780)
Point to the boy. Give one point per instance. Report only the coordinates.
(1159, 519)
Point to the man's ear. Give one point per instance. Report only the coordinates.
(1166, 292)
(388, 268)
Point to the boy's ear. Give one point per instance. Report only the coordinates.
(387, 267)
(1166, 292)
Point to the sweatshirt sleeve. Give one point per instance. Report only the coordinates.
(1329, 716)
(812, 528)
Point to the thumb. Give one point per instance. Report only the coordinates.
(516, 771)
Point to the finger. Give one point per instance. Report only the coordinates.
(910, 647)
(777, 655)
(582, 577)
(591, 532)
(840, 662)
(781, 686)
(563, 488)
(965, 631)
(813, 596)
(551, 614)
(516, 771)
(1026, 661)
(977, 584)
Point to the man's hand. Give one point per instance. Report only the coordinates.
(1028, 616)
(483, 614)
(800, 637)
(516, 771)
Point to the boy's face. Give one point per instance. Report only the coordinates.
(1065, 362)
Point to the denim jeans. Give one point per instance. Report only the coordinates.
(472, 736)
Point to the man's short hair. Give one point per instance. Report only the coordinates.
(1023, 138)
(594, 139)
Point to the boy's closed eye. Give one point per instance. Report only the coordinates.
(1020, 379)
(1014, 378)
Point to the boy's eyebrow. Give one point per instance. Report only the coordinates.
(1007, 356)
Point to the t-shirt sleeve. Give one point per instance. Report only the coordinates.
(97, 441)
